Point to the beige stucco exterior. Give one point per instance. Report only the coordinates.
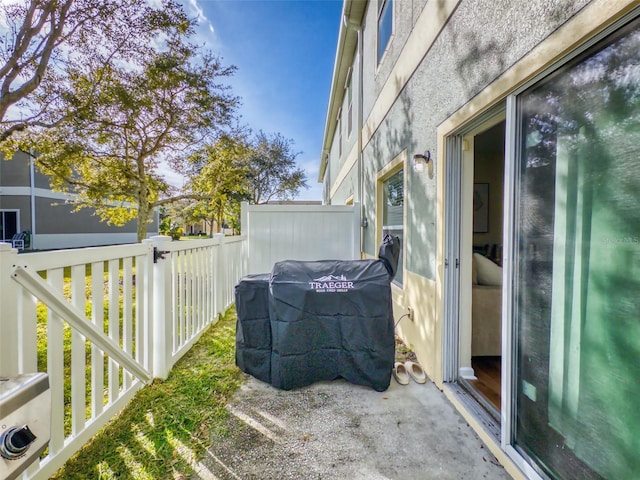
(422, 293)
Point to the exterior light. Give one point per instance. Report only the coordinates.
(421, 160)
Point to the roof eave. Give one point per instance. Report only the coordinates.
(352, 13)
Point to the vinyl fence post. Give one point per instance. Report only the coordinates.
(244, 231)
(162, 308)
(220, 276)
(9, 321)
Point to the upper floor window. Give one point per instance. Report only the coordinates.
(385, 26)
(339, 128)
(349, 103)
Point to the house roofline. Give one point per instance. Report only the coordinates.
(352, 14)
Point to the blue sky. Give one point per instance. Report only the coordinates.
(284, 51)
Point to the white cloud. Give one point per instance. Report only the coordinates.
(195, 8)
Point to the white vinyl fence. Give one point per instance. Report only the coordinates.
(125, 312)
(300, 232)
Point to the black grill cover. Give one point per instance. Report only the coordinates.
(389, 253)
(331, 319)
(253, 328)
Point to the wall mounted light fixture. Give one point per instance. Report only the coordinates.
(422, 160)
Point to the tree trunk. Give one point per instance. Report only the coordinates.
(220, 220)
(143, 205)
(143, 217)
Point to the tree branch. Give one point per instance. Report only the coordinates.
(188, 196)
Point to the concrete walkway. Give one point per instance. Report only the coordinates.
(338, 431)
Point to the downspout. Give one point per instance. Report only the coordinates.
(359, 119)
(363, 221)
(32, 194)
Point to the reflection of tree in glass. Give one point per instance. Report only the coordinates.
(395, 190)
(596, 100)
(579, 195)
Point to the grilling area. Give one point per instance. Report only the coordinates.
(171, 293)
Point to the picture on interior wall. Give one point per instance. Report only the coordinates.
(480, 207)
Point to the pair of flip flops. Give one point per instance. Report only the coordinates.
(403, 372)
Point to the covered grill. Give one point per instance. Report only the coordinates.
(327, 319)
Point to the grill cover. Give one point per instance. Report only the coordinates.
(331, 319)
(389, 254)
(253, 328)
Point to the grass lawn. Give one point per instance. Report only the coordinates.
(169, 424)
(42, 337)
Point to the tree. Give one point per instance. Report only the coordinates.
(109, 153)
(271, 165)
(67, 35)
(218, 175)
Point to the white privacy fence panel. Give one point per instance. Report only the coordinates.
(300, 232)
(125, 313)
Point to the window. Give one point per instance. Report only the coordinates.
(577, 278)
(393, 214)
(385, 26)
(339, 138)
(8, 224)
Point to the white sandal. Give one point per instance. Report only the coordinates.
(400, 373)
(415, 371)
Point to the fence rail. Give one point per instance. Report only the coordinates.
(103, 321)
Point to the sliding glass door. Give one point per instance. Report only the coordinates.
(576, 377)
(9, 224)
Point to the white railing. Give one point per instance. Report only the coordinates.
(125, 313)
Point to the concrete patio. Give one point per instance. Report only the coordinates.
(335, 430)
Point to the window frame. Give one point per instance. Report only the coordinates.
(2, 222)
(384, 7)
(399, 163)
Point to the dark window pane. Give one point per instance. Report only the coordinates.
(8, 224)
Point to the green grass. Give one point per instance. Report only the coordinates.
(42, 339)
(169, 423)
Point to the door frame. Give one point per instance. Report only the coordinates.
(458, 243)
(10, 210)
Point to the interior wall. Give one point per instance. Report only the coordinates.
(489, 169)
(482, 162)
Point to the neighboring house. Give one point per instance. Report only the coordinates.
(28, 204)
(510, 129)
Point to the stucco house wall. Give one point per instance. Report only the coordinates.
(448, 63)
(463, 60)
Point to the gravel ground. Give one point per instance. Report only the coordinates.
(338, 431)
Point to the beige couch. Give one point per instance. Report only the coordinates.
(486, 308)
(486, 332)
